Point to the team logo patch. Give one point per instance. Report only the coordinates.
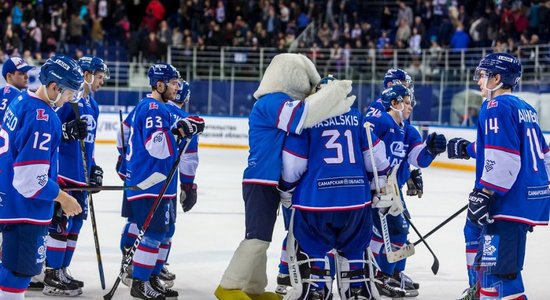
(492, 103)
(42, 179)
(489, 165)
(153, 105)
(158, 138)
(289, 104)
(41, 115)
(490, 250)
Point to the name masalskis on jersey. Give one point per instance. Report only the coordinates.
(343, 120)
(529, 116)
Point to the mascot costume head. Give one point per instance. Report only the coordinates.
(296, 76)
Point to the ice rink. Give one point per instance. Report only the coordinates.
(207, 236)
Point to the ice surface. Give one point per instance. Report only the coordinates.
(207, 236)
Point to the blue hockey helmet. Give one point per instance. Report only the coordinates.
(93, 64)
(162, 72)
(396, 76)
(504, 64)
(324, 81)
(395, 92)
(184, 93)
(62, 70)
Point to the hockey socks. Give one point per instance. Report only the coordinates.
(128, 236)
(146, 255)
(56, 246)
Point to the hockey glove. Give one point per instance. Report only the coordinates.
(74, 130)
(188, 196)
(456, 148)
(189, 127)
(118, 166)
(436, 143)
(415, 184)
(478, 207)
(96, 176)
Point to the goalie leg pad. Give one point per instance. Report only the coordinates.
(315, 279)
(353, 278)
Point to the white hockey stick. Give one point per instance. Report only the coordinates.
(148, 182)
(390, 255)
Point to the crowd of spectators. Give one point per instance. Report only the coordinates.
(143, 29)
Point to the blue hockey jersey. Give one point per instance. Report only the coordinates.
(190, 159)
(29, 138)
(71, 167)
(272, 117)
(329, 164)
(512, 159)
(7, 94)
(122, 140)
(404, 145)
(151, 148)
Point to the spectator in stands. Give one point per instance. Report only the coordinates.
(386, 19)
(460, 39)
(404, 13)
(403, 32)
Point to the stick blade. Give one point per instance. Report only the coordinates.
(404, 252)
(435, 266)
(153, 179)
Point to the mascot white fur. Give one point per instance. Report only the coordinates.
(295, 76)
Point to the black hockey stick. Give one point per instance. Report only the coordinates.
(441, 224)
(408, 249)
(153, 179)
(435, 265)
(74, 105)
(130, 253)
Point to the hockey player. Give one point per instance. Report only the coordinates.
(509, 141)
(152, 147)
(283, 107)
(14, 71)
(30, 138)
(187, 170)
(63, 232)
(404, 148)
(325, 169)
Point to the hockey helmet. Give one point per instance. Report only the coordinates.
(504, 64)
(62, 70)
(162, 72)
(184, 93)
(93, 64)
(395, 92)
(396, 76)
(324, 81)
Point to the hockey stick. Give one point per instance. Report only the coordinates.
(390, 256)
(153, 179)
(435, 265)
(74, 105)
(130, 253)
(408, 249)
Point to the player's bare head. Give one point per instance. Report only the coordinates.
(62, 78)
(165, 81)
(95, 72)
(15, 71)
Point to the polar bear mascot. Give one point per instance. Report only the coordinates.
(285, 105)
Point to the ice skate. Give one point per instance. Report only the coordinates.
(71, 278)
(56, 284)
(389, 287)
(144, 290)
(407, 284)
(160, 287)
(167, 277)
